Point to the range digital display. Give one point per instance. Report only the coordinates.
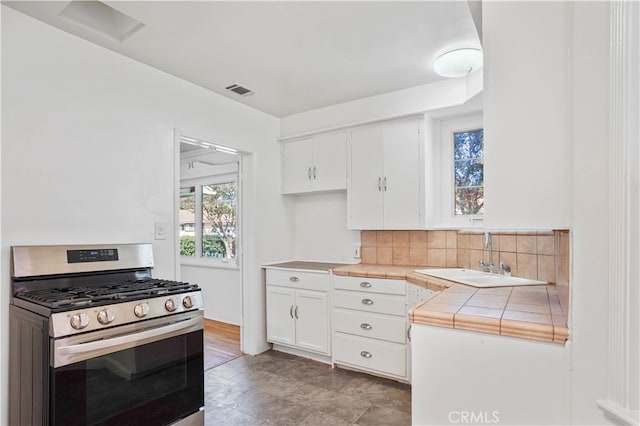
(91, 255)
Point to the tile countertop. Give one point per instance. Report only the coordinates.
(303, 265)
(528, 312)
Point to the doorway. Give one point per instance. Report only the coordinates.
(208, 222)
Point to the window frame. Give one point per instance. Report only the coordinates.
(199, 183)
(447, 217)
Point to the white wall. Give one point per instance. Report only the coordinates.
(590, 212)
(526, 115)
(221, 291)
(321, 228)
(88, 156)
(415, 100)
(568, 146)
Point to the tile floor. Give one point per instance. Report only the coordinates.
(274, 388)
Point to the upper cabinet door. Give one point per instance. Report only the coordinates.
(386, 176)
(315, 164)
(365, 174)
(297, 163)
(403, 181)
(329, 170)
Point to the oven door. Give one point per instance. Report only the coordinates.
(149, 373)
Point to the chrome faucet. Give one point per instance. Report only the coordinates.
(487, 267)
(502, 269)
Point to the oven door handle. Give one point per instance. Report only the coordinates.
(70, 354)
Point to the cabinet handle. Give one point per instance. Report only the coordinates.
(365, 326)
(309, 172)
(379, 184)
(314, 172)
(367, 302)
(409, 333)
(291, 311)
(365, 284)
(294, 279)
(365, 354)
(295, 312)
(384, 184)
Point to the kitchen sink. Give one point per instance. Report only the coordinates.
(478, 278)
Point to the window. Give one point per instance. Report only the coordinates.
(219, 220)
(187, 221)
(208, 218)
(459, 172)
(468, 171)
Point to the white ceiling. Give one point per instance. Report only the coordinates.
(296, 56)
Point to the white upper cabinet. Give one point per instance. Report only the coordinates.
(386, 176)
(365, 171)
(317, 163)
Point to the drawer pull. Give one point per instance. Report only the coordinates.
(294, 279)
(367, 302)
(365, 284)
(365, 354)
(365, 326)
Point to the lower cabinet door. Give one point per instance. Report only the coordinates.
(370, 354)
(280, 315)
(312, 325)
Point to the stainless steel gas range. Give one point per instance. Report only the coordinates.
(95, 340)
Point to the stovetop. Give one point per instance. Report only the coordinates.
(69, 298)
(90, 288)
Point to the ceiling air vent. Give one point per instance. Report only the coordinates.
(240, 90)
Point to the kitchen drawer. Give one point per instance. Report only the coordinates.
(371, 285)
(376, 355)
(377, 326)
(371, 302)
(297, 279)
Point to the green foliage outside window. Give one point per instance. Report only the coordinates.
(212, 246)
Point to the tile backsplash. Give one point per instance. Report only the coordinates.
(542, 255)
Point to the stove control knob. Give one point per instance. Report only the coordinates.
(187, 302)
(141, 310)
(170, 305)
(79, 321)
(106, 316)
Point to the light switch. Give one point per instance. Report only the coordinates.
(160, 229)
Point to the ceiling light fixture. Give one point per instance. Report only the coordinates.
(458, 62)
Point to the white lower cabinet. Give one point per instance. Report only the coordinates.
(481, 378)
(370, 326)
(298, 311)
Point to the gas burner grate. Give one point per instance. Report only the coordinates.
(71, 297)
